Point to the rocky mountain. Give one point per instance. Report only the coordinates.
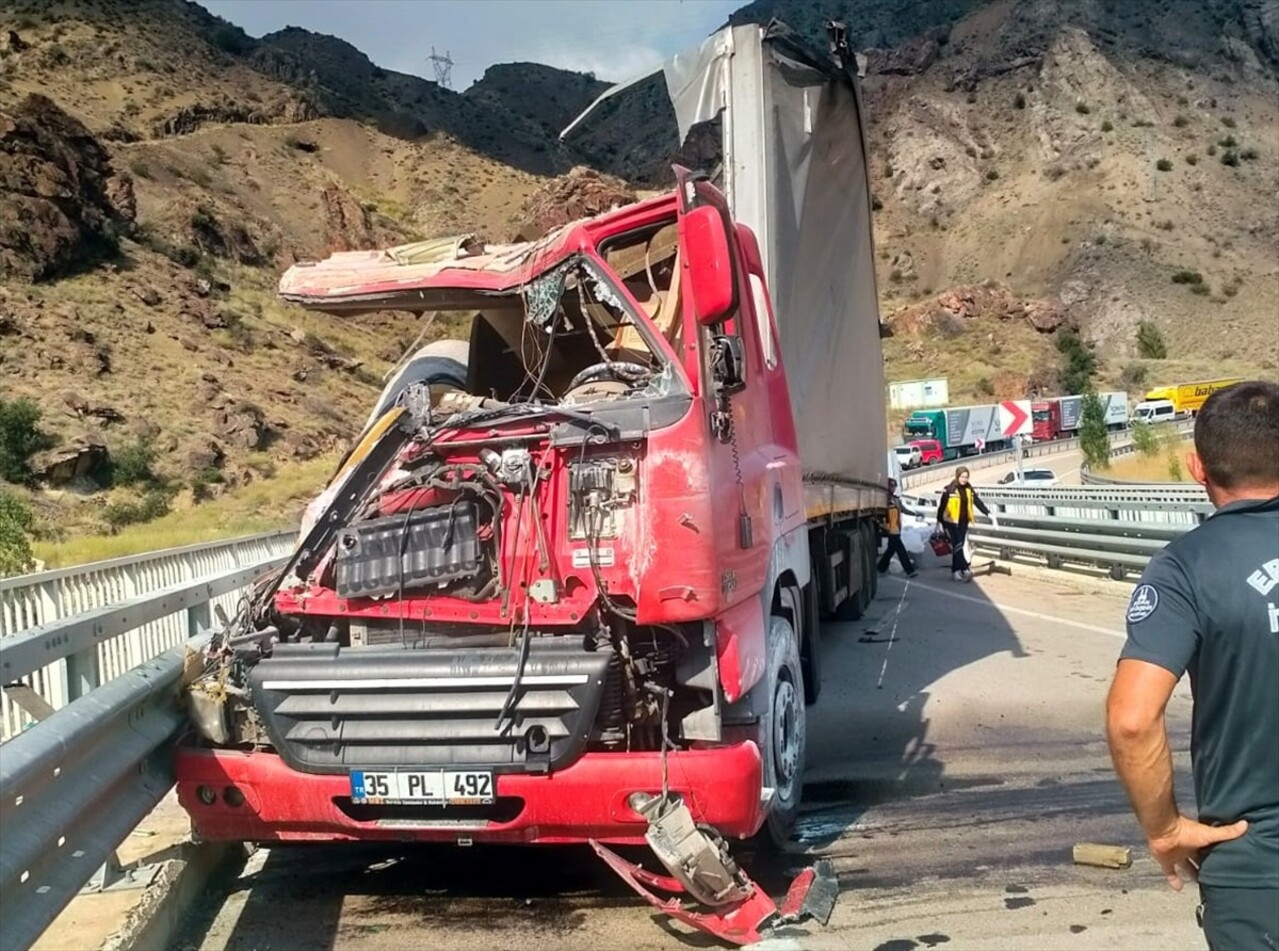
(1037, 166)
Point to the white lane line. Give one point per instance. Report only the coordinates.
(1009, 609)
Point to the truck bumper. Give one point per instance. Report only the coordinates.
(256, 797)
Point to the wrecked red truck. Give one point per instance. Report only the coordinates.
(570, 579)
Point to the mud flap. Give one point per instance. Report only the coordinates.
(736, 909)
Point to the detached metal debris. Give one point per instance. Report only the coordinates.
(737, 909)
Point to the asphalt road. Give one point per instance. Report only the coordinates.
(952, 765)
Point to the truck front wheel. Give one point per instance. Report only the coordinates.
(783, 734)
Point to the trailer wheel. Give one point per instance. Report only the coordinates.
(782, 734)
(872, 572)
(854, 606)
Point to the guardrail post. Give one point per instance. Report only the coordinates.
(199, 618)
(83, 672)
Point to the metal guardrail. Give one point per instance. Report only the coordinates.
(174, 582)
(1115, 528)
(75, 786)
(77, 780)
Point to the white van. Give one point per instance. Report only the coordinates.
(1154, 411)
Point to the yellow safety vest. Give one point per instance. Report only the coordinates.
(952, 504)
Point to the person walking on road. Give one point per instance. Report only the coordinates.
(954, 513)
(893, 530)
(1209, 604)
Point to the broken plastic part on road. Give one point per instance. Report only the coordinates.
(700, 866)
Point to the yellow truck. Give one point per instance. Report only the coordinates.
(1189, 397)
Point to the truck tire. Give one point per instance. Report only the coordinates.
(872, 572)
(782, 735)
(855, 605)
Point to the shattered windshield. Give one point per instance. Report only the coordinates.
(564, 339)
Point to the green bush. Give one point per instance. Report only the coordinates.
(1019, 101)
(1187, 277)
(1229, 142)
(1150, 341)
(15, 527)
(151, 506)
(1081, 363)
(1164, 165)
(1249, 154)
(132, 464)
(1107, 126)
(1082, 108)
(1228, 122)
(20, 438)
(1134, 376)
(1145, 438)
(1181, 122)
(1230, 158)
(991, 175)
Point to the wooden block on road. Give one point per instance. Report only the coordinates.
(1103, 856)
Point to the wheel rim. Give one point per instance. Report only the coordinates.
(787, 737)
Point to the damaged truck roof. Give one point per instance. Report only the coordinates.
(402, 277)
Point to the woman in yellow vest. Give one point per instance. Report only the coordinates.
(955, 512)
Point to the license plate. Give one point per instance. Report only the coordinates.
(467, 787)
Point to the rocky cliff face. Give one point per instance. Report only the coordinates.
(64, 206)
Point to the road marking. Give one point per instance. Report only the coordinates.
(1008, 608)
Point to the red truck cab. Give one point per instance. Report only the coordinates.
(571, 620)
(1045, 420)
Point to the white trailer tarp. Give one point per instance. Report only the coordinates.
(795, 173)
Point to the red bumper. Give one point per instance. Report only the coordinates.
(268, 801)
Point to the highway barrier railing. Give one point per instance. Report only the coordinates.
(1116, 529)
(125, 611)
(75, 785)
(74, 781)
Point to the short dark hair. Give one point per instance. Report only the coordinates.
(1237, 435)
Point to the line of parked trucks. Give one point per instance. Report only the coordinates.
(940, 435)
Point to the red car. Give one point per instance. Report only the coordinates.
(930, 451)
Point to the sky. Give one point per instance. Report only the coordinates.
(615, 39)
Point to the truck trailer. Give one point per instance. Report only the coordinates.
(961, 430)
(580, 590)
(1060, 417)
(1187, 398)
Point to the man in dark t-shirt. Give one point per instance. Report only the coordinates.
(1208, 604)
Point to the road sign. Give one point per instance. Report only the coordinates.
(1014, 417)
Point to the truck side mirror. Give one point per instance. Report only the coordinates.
(708, 257)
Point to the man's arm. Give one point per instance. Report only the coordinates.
(1138, 740)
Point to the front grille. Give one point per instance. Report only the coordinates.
(329, 709)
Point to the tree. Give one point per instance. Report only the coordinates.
(1145, 438)
(1093, 437)
(20, 438)
(1081, 363)
(15, 525)
(1150, 341)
